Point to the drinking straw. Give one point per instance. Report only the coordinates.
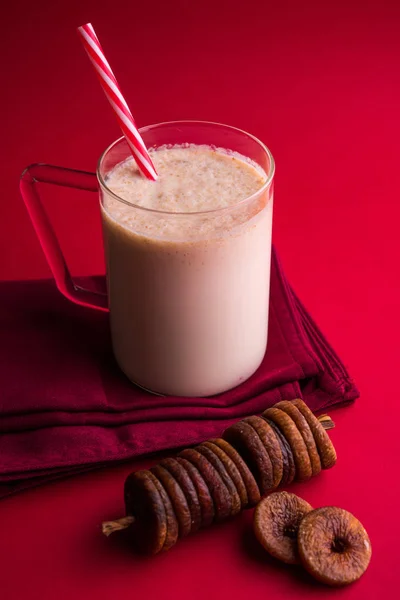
(121, 109)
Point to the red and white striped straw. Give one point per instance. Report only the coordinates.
(111, 89)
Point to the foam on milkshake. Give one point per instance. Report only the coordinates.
(191, 178)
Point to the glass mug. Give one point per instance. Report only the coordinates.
(188, 293)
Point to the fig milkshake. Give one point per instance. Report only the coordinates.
(188, 260)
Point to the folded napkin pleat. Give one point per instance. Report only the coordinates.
(65, 407)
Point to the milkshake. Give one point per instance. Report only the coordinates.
(188, 260)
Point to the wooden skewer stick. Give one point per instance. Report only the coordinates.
(326, 422)
(108, 527)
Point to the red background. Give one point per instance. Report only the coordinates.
(319, 83)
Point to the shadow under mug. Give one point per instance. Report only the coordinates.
(188, 293)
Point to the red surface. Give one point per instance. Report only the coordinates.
(319, 83)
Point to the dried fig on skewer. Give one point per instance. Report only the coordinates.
(232, 470)
(203, 493)
(182, 477)
(295, 440)
(271, 444)
(172, 523)
(251, 487)
(289, 470)
(248, 444)
(218, 490)
(144, 503)
(290, 409)
(208, 452)
(325, 447)
(177, 497)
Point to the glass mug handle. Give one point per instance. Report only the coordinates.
(82, 180)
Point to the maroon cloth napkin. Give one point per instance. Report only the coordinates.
(65, 406)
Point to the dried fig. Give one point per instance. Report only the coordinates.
(333, 546)
(289, 470)
(324, 445)
(247, 442)
(290, 409)
(187, 487)
(296, 442)
(252, 489)
(143, 501)
(177, 498)
(172, 523)
(276, 521)
(232, 470)
(203, 493)
(218, 490)
(271, 444)
(218, 465)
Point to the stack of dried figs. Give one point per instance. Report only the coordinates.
(220, 477)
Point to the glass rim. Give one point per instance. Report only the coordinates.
(146, 128)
